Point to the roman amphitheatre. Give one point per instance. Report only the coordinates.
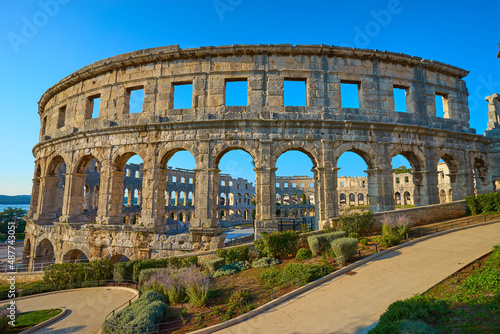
(70, 217)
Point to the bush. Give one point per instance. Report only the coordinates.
(4, 320)
(321, 243)
(162, 263)
(278, 244)
(146, 275)
(363, 241)
(265, 262)
(213, 264)
(303, 254)
(123, 271)
(357, 223)
(234, 254)
(196, 284)
(145, 313)
(232, 268)
(394, 229)
(354, 235)
(306, 272)
(345, 249)
(64, 273)
(409, 314)
(483, 203)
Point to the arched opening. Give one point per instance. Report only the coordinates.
(119, 258)
(295, 179)
(352, 180)
(86, 182)
(182, 216)
(442, 196)
(54, 190)
(236, 172)
(75, 255)
(361, 199)
(448, 181)
(480, 175)
(190, 198)
(406, 178)
(132, 164)
(44, 253)
(182, 198)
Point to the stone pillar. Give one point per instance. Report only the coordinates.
(48, 200)
(464, 185)
(35, 195)
(73, 198)
(325, 180)
(380, 189)
(111, 197)
(493, 111)
(154, 183)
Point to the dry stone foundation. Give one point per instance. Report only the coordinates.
(88, 117)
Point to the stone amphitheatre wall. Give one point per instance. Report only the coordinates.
(71, 137)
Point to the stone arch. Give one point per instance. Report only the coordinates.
(76, 255)
(166, 153)
(397, 198)
(221, 148)
(417, 161)
(442, 196)
(119, 258)
(458, 182)
(54, 189)
(365, 151)
(407, 198)
(352, 199)
(123, 155)
(482, 182)
(307, 148)
(343, 198)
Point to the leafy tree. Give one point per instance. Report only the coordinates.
(402, 170)
(8, 214)
(498, 54)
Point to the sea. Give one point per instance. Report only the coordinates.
(20, 206)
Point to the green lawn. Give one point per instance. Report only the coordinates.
(30, 319)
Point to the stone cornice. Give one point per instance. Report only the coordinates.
(173, 52)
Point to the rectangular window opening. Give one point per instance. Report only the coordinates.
(285, 185)
(397, 180)
(61, 119)
(295, 92)
(349, 94)
(442, 105)
(93, 107)
(407, 180)
(136, 99)
(277, 185)
(236, 93)
(183, 96)
(400, 98)
(294, 185)
(44, 125)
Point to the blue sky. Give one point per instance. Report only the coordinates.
(43, 41)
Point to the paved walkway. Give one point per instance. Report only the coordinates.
(86, 308)
(352, 304)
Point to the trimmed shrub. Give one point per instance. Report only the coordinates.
(357, 223)
(145, 313)
(213, 264)
(265, 262)
(363, 241)
(345, 249)
(232, 268)
(278, 245)
(303, 254)
(483, 203)
(233, 254)
(320, 243)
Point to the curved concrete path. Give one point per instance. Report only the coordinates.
(86, 308)
(353, 304)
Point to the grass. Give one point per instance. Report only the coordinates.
(29, 319)
(466, 302)
(4, 288)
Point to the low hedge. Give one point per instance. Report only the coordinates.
(63, 273)
(230, 269)
(303, 254)
(321, 242)
(345, 249)
(483, 203)
(145, 314)
(265, 262)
